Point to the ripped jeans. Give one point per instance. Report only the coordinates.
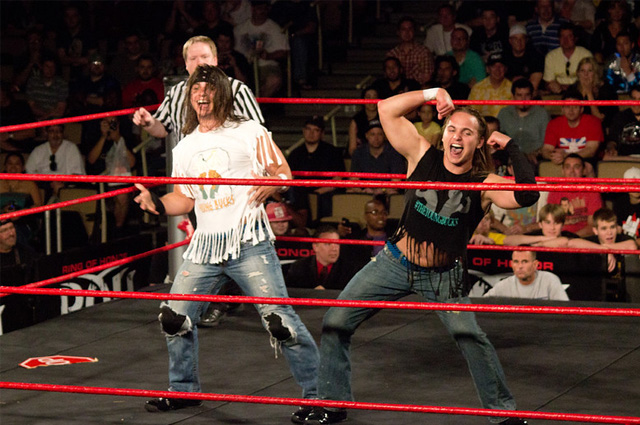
(386, 278)
(258, 273)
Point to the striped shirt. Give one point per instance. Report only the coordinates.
(170, 111)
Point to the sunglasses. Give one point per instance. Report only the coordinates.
(566, 68)
(53, 166)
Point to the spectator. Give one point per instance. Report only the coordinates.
(47, 93)
(525, 123)
(17, 194)
(591, 87)
(472, 68)
(416, 60)
(378, 228)
(14, 253)
(581, 12)
(528, 282)
(280, 218)
(236, 11)
(494, 87)
(438, 39)
(573, 132)
(324, 270)
(232, 62)
(627, 207)
(491, 37)
(523, 60)
(624, 133)
(146, 79)
(212, 22)
(544, 28)
(124, 66)
(314, 155)
(427, 127)
(29, 65)
(605, 236)
(75, 45)
(260, 38)
(618, 20)
(91, 95)
(550, 233)
(580, 205)
(111, 155)
(483, 234)
(13, 112)
(561, 64)
(394, 80)
(55, 156)
(622, 70)
(377, 156)
(447, 73)
(360, 121)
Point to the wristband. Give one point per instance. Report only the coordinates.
(283, 176)
(430, 94)
(157, 203)
(523, 173)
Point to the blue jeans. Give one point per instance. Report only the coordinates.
(258, 273)
(385, 278)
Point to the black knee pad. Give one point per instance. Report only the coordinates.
(276, 328)
(172, 322)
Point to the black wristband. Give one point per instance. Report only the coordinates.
(523, 172)
(157, 203)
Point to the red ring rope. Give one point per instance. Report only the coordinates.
(324, 403)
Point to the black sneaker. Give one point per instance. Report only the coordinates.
(300, 415)
(166, 404)
(514, 421)
(212, 317)
(322, 416)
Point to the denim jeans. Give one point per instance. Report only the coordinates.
(258, 273)
(385, 278)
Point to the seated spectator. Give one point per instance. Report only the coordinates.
(561, 64)
(492, 36)
(17, 194)
(146, 79)
(447, 73)
(618, 19)
(394, 81)
(525, 123)
(14, 112)
(523, 60)
(623, 141)
(528, 282)
(572, 133)
(550, 233)
(472, 68)
(416, 59)
(111, 155)
(360, 121)
(427, 127)
(483, 234)
(581, 12)
(47, 93)
(580, 205)
(605, 236)
(55, 156)
(622, 69)
(324, 270)
(438, 39)
(236, 11)
(124, 66)
(260, 38)
(544, 28)
(29, 64)
(212, 23)
(376, 156)
(494, 87)
(232, 62)
(14, 253)
(75, 44)
(314, 155)
(591, 87)
(626, 206)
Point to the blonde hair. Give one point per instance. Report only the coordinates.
(597, 72)
(199, 39)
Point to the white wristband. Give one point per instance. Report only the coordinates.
(430, 94)
(283, 176)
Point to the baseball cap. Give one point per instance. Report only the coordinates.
(373, 124)
(316, 120)
(277, 211)
(495, 57)
(632, 173)
(517, 29)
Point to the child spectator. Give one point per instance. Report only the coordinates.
(427, 127)
(550, 234)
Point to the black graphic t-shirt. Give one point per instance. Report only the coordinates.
(444, 218)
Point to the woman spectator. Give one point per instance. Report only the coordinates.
(603, 40)
(360, 121)
(591, 86)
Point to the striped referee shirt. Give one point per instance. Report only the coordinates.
(170, 111)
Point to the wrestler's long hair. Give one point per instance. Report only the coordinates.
(482, 163)
(223, 111)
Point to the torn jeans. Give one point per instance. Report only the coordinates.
(258, 273)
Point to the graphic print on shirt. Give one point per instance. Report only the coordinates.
(213, 163)
(441, 206)
(573, 145)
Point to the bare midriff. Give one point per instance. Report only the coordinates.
(425, 256)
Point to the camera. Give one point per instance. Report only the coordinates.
(113, 125)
